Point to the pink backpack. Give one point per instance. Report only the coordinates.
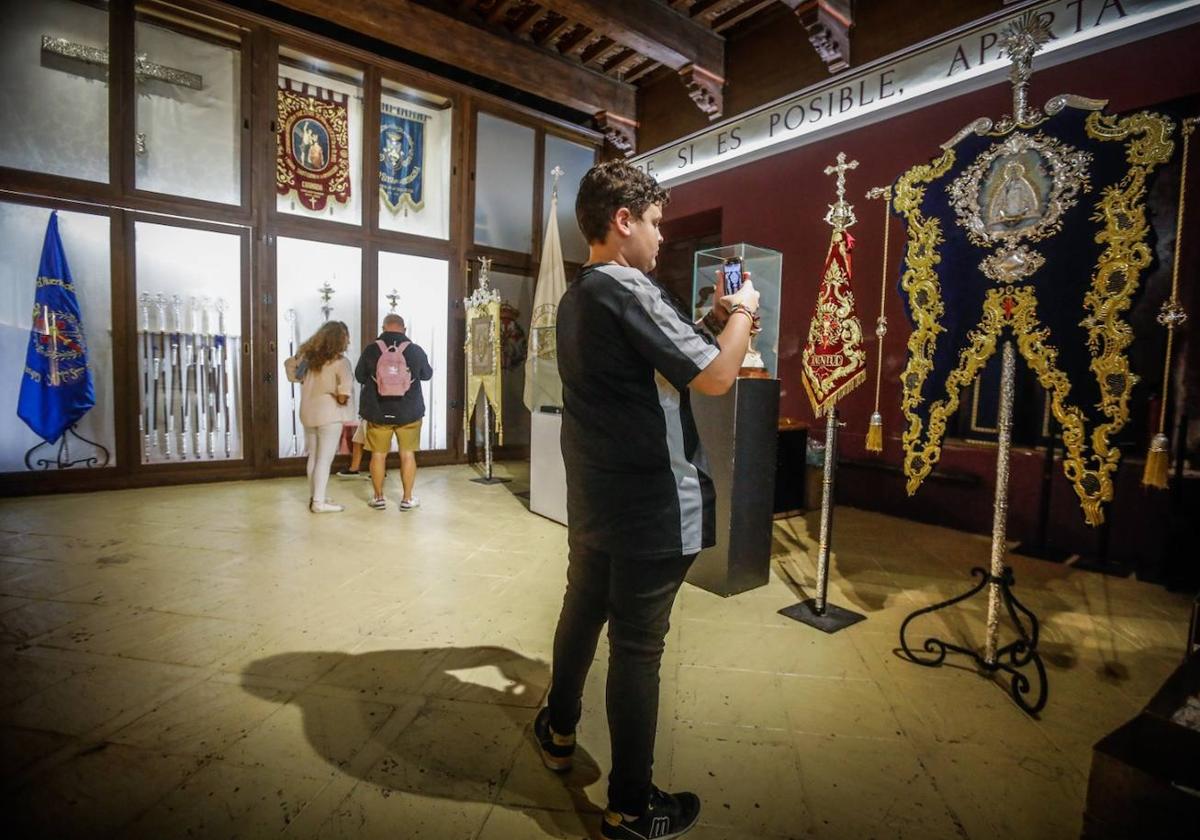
(392, 376)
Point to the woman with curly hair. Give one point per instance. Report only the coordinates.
(325, 392)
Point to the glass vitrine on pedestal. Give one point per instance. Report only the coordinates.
(766, 272)
(739, 431)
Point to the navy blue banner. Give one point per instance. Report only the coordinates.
(401, 158)
(56, 388)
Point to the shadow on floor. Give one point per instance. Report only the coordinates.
(468, 735)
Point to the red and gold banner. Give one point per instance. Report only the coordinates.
(834, 362)
(314, 145)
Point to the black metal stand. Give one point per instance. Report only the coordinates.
(1010, 658)
(998, 580)
(831, 619)
(818, 612)
(62, 458)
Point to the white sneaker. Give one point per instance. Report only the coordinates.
(378, 504)
(410, 504)
(325, 507)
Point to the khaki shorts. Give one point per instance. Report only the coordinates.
(379, 437)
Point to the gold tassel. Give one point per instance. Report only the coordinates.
(875, 433)
(1157, 463)
(1171, 316)
(875, 429)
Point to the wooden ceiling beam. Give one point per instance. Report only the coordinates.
(526, 24)
(651, 28)
(622, 61)
(509, 60)
(597, 48)
(699, 7)
(574, 46)
(546, 39)
(648, 65)
(499, 11)
(740, 13)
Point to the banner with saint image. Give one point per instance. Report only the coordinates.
(313, 159)
(401, 158)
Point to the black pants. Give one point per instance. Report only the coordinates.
(635, 597)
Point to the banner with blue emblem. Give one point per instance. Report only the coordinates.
(56, 388)
(401, 158)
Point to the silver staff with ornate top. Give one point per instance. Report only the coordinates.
(833, 363)
(144, 416)
(223, 380)
(170, 353)
(293, 331)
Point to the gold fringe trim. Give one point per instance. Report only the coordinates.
(830, 400)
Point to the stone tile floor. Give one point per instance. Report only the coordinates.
(213, 661)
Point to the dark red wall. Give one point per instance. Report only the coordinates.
(779, 202)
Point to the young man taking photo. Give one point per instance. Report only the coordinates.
(640, 503)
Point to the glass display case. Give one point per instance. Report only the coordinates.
(766, 271)
(188, 140)
(85, 241)
(504, 168)
(316, 282)
(189, 345)
(415, 146)
(318, 167)
(54, 88)
(417, 289)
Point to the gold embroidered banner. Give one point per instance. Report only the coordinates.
(834, 362)
(313, 159)
(1037, 225)
(483, 352)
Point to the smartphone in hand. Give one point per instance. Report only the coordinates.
(732, 274)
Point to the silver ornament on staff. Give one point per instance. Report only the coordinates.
(326, 293)
(185, 367)
(169, 350)
(833, 363)
(145, 417)
(223, 379)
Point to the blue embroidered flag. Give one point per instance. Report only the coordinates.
(56, 388)
(401, 158)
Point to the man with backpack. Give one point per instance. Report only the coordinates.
(390, 370)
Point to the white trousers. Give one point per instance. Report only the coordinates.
(322, 442)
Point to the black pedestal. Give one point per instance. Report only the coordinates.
(739, 432)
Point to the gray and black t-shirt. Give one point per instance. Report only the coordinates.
(637, 480)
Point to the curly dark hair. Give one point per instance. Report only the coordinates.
(609, 186)
(326, 345)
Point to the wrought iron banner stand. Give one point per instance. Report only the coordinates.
(1013, 658)
(62, 459)
(818, 612)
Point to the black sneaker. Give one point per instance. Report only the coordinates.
(667, 815)
(557, 751)
(349, 473)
